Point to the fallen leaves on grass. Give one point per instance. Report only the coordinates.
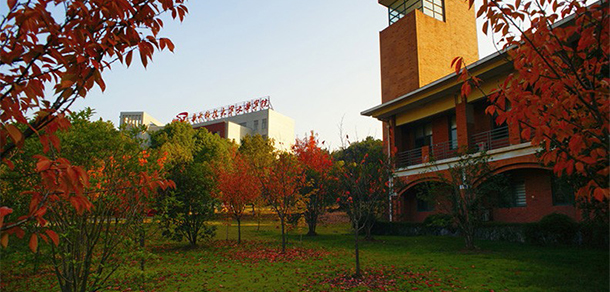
(262, 251)
(384, 279)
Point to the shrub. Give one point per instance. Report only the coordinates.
(439, 220)
(552, 228)
(595, 234)
(397, 228)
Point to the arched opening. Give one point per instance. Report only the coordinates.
(416, 202)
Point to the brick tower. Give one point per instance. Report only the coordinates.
(421, 40)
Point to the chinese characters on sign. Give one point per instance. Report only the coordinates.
(245, 107)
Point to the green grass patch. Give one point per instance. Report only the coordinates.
(325, 262)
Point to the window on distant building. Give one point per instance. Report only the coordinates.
(453, 133)
(255, 125)
(423, 135)
(264, 124)
(243, 124)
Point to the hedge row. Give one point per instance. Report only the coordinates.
(550, 230)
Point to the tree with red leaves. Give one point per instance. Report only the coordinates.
(558, 92)
(117, 198)
(237, 186)
(64, 45)
(317, 164)
(363, 185)
(282, 185)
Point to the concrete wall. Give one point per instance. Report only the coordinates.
(281, 129)
(235, 132)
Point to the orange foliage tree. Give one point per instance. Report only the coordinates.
(558, 92)
(64, 45)
(317, 164)
(121, 179)
(282, 184)
(237, 186)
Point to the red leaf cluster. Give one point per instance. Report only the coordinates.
(237, 184)
(558, 92)
(65, 45)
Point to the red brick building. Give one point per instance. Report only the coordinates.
(425, 118)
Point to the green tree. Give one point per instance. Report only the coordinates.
(261, 154)
(191, 155)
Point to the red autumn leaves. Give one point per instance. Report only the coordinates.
(558, 91)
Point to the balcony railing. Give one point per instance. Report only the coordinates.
(489, 140)
(484, 141)
(444, 150)
(400, 8)
(410, 157)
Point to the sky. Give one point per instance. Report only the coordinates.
(317, 60)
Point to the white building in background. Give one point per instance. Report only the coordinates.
(137, 119)
(249, 118)
(129, 120)
(231, 122)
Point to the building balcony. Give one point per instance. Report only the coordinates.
(397, 9)
(488, 141)
(435, 152)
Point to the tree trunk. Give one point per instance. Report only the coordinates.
(283, 235)
(258, 220)
(312, 228)
(367, 228)
(469, 238)
(357, 254)
(142, 242)
(238, 230)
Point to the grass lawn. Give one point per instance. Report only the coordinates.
(318, 264)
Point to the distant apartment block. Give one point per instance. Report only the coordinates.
(231, 122)
(248, 118)
(136, 119)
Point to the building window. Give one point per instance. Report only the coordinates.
(264, 124)
(255, 125)
(423, 135)
(563, 191)
(453, 133)
(400, 8)
(243, 124)
(424, 206)
(434, 8)
(518, 195)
